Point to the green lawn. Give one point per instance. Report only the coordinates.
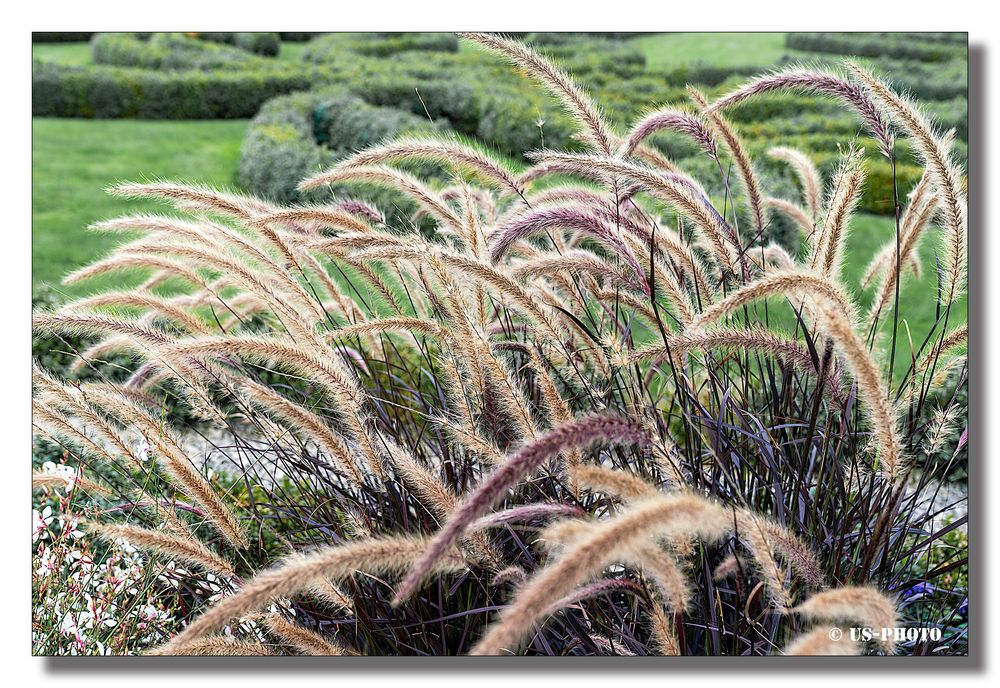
(291, 52)
(916, 297)
(665, 50)
(62, 53)
(74, 160)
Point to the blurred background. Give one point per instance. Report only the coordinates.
(259, 111)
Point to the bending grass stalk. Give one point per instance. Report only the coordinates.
(576, 433)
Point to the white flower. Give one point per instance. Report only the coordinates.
(142, 449)
(40, 523)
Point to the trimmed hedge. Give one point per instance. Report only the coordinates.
(332, 47)
(115, 92)
(60, 36)
(171, 51)
(907, 46)
(299, 36)
(266, 44)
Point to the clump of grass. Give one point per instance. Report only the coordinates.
(586, 417)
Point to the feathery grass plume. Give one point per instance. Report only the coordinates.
(522, 514)
(340, 245)
(343, 303)
(386, 325)
(217, 646)
(316, 217)
(314, 362)
(447, 153)
(433, 493)
(727, 567)
(871, 388)
(616, 483)
(90, 324)
(752, 339)
(487, 274)
(513, 575)
(668, 245)
(885, 260)
(466, 434)
(43, 479)
(54, 424)
(108, 346)
(793, 211)
(744, 165)
(188, 550)
(150, 302)
(501, 381)
(575, 262)
(675, 189)
(807, 173)
(668, 118)
(391, 178)
(562, 218)
(594, 129)
(666, 573)
(778, 256)
(941, 427)
(202, 198)
(604, 544)
(953, 340)
(788, 283)
(174, 459)
(275, 287)
(754, 537)
(376, 556)
(361, 208)
(163, 264)
(150, 342)
(641, 306)
(947, 177)
(303, 640)
(60, 395)
(576, 433)
(919, 211)
(663, 638)
(300, 420)
(602, 586)
(863, 605)
(651, 156)
(814, 81)
(908, 256)
(662, 568)
(820, 642)
(793, 550)
(828, 249)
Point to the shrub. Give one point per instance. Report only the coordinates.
(332, 46)
(299, 36)
(610, 418)
(170, 51)
(60, 36)
(110, 92)
(266, 44)
(906, 46)
(294, 136)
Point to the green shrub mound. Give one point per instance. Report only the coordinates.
(259, 43)
(170, 51)
(297, 135)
